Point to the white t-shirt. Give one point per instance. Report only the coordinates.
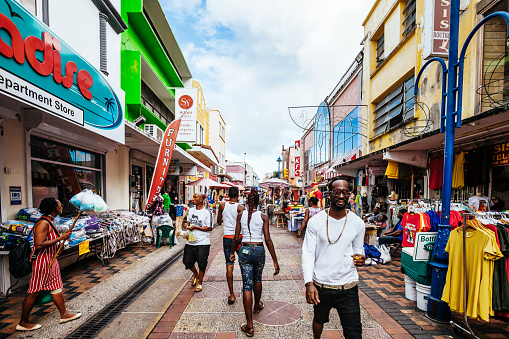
(332, 264)
(201, 218)
(482, 204)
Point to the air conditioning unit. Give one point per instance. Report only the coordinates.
(154, 131)
(215, 170)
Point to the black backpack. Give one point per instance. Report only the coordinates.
(19, 259)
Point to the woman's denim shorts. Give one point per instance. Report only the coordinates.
(251, 260)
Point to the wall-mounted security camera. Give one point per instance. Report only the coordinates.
(139, 120)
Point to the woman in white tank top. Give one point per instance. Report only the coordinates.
(254, 226)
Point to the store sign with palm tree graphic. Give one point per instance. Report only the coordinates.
(41, 70)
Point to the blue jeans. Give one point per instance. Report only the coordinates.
(252, 261)
(227, 246)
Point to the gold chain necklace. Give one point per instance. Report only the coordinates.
(327, 227)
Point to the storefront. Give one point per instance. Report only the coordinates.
(62, 122)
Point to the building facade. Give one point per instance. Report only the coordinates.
(405, 128)
(61, 119)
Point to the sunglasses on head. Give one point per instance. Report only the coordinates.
(337, 192)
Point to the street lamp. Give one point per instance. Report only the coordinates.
(278, 167)
(452, 86)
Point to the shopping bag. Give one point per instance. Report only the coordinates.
(385, 254)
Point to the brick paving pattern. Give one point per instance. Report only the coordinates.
(206, 314)
(77, 278)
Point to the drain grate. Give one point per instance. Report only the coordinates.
(93, 326)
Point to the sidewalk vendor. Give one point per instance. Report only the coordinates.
(395, 234)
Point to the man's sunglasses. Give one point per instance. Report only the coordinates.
(337, 192)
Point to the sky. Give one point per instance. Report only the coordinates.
(254, 59)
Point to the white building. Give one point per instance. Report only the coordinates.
(217, 140)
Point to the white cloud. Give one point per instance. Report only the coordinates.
(255, 59)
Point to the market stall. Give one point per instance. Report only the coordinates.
(100, 235)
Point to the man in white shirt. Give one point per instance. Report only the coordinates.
(333, 246)
(199, 221)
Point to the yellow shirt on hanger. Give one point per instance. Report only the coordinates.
(481, 251)
(458, 175)
(392, 170)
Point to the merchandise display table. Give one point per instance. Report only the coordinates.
(371, 233)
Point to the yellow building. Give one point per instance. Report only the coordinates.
(400, 36)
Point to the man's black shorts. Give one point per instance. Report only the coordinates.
(346, 302)
(196, 254)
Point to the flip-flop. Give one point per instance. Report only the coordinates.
(22, 328)
(231, 302)
(259, 309)
(74, 317)
(245, 329)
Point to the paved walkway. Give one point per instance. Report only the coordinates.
(206, 314)
(77, 279)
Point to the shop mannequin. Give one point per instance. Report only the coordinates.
(480, 203)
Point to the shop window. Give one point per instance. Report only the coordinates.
(495, 72)
(395, 108)
(409, 21)
(152, 102)
(62, 171)
(380, 50)
(346, 135)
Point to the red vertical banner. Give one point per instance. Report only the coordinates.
(163, 161)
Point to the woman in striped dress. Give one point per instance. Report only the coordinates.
(46, 243)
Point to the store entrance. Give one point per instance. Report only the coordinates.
(136, 188)
(500, 187)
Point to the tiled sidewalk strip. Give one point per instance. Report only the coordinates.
(76, 278)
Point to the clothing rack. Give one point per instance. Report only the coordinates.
(457, 326)
(477, 215)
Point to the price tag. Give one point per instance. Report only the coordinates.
(83, 247)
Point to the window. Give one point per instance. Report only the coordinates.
(346, 135)
(380, 50)
(62, 171)
(150, 100)
(199, 134)
(409, 21)
(495, 72)
(396, 107)
(30, 5)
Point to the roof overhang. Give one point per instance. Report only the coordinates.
(139, 140)
(204, 154)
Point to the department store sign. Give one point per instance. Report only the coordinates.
(39, 69)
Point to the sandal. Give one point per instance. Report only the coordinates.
(194, 280)
(259, 309)
(246, 330)
(198, 288)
